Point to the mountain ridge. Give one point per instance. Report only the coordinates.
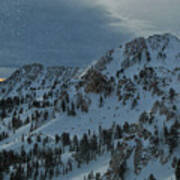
(123, 108)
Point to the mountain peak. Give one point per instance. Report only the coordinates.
(119, 117)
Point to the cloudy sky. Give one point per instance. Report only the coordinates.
(76, 32)
(145, 17)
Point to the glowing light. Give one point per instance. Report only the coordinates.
(2, 79)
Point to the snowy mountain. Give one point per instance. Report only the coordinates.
(118, 118)
(29, 78)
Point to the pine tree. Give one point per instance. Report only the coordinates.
(151, 177)
(57, 172)
(118, 132)
(93, 143)
(29, 140)
(73, 112)
(63, 105)
(65, 139)
(98, 176)
(172, 93)
(57, 138)
(75, 143)
(100, 101)
(3, 113)
(173, 137)
(84, 148)
(166, 134)
(16, 122)
(46, 115)
(177, 170)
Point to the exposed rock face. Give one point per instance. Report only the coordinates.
(131, 95)
(134, 52)
(96, 82)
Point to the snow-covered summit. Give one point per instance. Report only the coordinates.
(118, 118)
(157, 50)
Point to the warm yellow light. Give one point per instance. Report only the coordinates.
(2, 79)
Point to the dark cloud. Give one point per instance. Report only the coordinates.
(54, 32)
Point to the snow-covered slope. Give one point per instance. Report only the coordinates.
(36, 76)
(118, 117)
